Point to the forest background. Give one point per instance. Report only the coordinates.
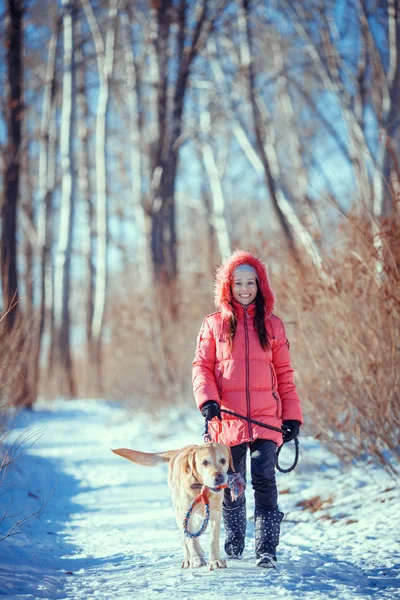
(142, 141)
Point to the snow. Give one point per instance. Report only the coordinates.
(108, 530)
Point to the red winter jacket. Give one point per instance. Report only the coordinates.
(247, 380)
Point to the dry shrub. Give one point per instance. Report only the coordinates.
(15, 392)
(16, 367)
(347, 342)
(316, 503)
(150, 347)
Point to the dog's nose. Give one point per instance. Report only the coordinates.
(218, 479)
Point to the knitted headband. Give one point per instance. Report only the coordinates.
(245, 268)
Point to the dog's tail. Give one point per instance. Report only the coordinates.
(143, 458)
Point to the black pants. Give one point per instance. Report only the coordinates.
(263, 461)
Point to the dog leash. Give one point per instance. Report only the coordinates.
(202, 497)
(207, 438)
(237, 486)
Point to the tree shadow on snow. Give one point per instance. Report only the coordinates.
(312, 571)
(40, 559)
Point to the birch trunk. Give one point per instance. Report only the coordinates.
(46, 184)
(84, 182)
(48, 267)
(64, 249)
(105, 61)
(136, 143)
(217, 215)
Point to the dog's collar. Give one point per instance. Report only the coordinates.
(198, 486)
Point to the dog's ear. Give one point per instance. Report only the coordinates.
(230, 459)
(192, 463)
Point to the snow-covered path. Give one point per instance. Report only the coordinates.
(108, 530)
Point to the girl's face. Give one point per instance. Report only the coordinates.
(244, 287)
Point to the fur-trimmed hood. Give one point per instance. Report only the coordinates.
(223, 278)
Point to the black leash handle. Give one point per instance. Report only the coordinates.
(296, 456)
(207, 438)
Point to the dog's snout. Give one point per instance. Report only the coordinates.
(219, 479)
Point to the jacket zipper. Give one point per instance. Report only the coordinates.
(246, 336)
(275, 395)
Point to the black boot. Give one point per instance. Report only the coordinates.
(235, 529)
(267, 526)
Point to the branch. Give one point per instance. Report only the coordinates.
(96, 34)
(16, 527)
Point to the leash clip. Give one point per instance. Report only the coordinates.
(206, 435)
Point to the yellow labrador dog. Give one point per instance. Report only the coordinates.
(189, 469)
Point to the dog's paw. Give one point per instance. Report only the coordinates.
(197, 561)
(218, 563)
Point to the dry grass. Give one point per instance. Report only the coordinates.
(148, 358)
(346, 346)
(16, 391)
(16, 367)
(316, 503)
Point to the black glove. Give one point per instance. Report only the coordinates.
(210, 409)
(290, 430)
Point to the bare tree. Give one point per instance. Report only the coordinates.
(46, 183)
(15, 113)
(136, 145)
(217, 214)
(297, 236)
(386, 105)
(170, 105)
(376, 83)
(62, 280)
(105, 60)
(84, 179)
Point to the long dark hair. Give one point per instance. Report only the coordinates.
(259, 323)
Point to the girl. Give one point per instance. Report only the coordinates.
(242, 364)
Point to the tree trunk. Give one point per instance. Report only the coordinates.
(9, 274)
(47, 265)
(64, 250)
(136, 143)
(163, 231)
(105, 62)
(84, 182)
(217, 213)
(46, 185)
(163, 209)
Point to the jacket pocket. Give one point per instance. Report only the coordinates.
(278, 413)
(218, 378)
